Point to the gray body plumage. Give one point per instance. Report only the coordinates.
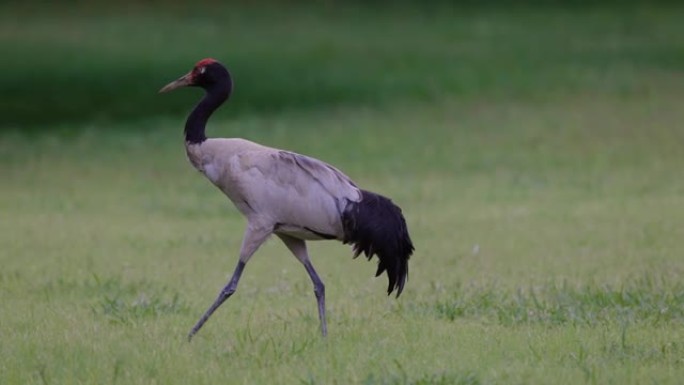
(291, 194)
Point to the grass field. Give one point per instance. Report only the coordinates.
(537, 155)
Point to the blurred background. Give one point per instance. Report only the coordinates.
(89, 62)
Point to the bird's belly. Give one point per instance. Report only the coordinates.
(302, 232)
(312, 214)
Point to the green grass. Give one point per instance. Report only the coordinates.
(546, 206)
(68, 64)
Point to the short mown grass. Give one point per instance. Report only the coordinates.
(641, 301)
(531, 264)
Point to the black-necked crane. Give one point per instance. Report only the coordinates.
(293, 196)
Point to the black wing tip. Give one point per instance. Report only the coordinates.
(398, 280)
(376, 226)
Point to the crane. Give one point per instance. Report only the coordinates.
(293, 196)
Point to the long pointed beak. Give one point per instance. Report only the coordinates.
(183, 81)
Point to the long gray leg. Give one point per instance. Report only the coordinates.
(298, 248)
(253, 238)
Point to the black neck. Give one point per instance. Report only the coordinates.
(215, 95)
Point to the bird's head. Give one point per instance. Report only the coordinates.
(207, 73)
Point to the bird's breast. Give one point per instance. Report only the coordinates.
(212, 172)
(194, 153)
(212, 166)
(219, 161)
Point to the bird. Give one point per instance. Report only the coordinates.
(295, 197)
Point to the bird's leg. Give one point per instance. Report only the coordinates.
(254, 237)
(225, 293)
(319, 291)
(298, 248)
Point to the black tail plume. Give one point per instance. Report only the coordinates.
(375, 225)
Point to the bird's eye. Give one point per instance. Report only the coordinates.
(202, 70)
